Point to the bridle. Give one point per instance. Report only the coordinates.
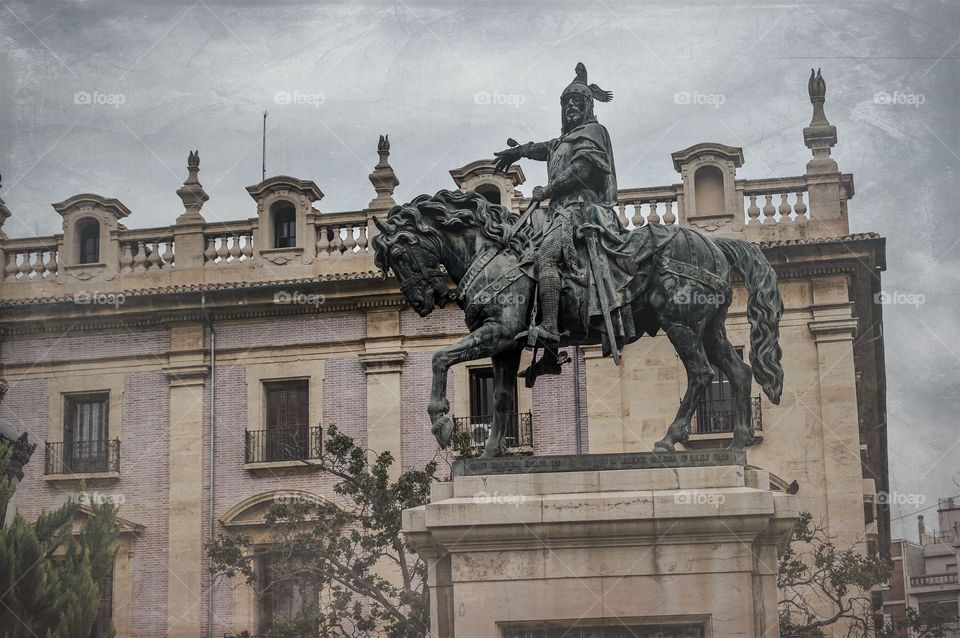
(425, 273)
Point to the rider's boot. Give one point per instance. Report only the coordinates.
(551, 363)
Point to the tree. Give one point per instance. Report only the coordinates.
(48, 574)
(822, 586)
(341, 554)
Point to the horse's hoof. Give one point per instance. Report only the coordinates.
(443, 430)
(487, 454)
(663, 446)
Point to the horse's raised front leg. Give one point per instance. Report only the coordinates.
(486, 341)
(505, 367)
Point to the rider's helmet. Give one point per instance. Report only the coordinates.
(591, 92)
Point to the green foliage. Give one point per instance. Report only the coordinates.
(47, 574)
(463, 446)
(341, 554)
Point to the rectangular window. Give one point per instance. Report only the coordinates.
(482, 408)
(284, 602)
(101, 627)
(715, 412)
(86, 444)
(287, 426)
(945, 609)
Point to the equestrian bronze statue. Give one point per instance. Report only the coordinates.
(570, 274)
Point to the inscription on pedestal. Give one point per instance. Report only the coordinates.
(595, 462)
(620, 631)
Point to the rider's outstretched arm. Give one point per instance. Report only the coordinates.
(535, 150)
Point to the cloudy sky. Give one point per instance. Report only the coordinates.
(108, 96)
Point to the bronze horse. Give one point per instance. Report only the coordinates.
(434, 238)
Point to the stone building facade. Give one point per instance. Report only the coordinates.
(156, 363)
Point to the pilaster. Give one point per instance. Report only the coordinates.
(834, 328)
(382, 362)
(187, 374)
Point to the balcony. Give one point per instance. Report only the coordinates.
(283, 445)
(82, 457)
(928, 580)
(519, 436)
(717, 416)
(714, 420)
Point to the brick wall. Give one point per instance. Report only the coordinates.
(84, 345)
(299, 329)
(554, 404)
(142, 488)
(144, 482)
(419, 446)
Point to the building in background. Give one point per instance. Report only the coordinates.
(925, 572)
(190, 371)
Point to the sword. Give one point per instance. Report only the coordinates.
(511, 231)
(601, 279)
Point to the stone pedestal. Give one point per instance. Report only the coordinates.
(684, 551)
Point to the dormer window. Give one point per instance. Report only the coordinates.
(284, 225)
(490, 192)
(708, 186)
(88, 238)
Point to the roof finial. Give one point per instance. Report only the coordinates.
(820, 136)
(191, 193)
(817, 88)
(383, 178)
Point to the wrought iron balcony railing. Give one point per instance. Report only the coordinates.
(82, 457)
(950, 578)
(519, 434)
(717, 416)
(283, 444)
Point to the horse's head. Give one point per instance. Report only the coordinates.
(416, 265)
(446, 229)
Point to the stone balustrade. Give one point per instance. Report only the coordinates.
(775, 201)
(657, 205)
(337, 245)
(227, 244)
(26, 260)
(343, 234)
(145, 250)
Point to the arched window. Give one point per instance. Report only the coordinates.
(490, 193)
(88, 241)
(284, 225)
(708, 189)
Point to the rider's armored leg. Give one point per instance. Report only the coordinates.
(549, 275)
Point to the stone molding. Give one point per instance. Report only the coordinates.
(382, 362)
(825, 330)
(186, 375)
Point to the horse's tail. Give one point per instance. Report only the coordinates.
(764, 309)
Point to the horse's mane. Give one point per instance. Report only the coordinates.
(449, 210)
